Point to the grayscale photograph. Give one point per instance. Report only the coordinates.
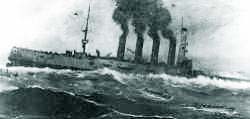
(124, 59)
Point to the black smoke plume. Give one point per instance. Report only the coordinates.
(143, 14)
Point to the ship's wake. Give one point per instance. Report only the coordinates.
(106, 94)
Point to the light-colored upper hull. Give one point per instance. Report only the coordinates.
(27, 57)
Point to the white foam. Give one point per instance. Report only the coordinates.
(21, 69)
(214, 110)
(124, 78)
(237, 75)
(155, 97)
(95, 103)
(204, 81)
(5, 86)
(36, 86)
(144, 116)
(200, 81)
(117, 75)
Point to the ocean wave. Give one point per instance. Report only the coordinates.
(200, 81)
(156, 97)
(226, 111)
(5, 85)
(124, 78)
(235, 75)
(143, 116)
(44, 102)
(21, 69)
(116, 74)
(110, 93)
(204, 81)
(131, 79)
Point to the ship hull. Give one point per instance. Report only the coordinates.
(34, 58)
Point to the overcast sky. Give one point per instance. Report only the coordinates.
(218, 38)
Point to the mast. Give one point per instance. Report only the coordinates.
(85, 40)
(183, 44)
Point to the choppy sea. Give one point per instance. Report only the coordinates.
(44, 93)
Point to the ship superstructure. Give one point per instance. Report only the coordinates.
(182, 60)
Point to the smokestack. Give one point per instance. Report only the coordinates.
(139, 48)
(156, 45)
(122, 42)
(172, 45)
(171, 52)
(139, 30)
(121, 18)
(159, 21)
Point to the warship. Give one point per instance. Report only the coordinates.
(177, 63)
